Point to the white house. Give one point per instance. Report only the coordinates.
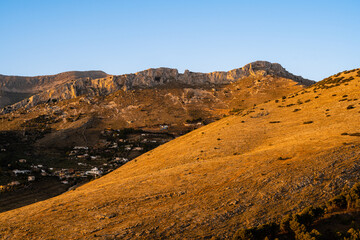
(16, 172)
(31, 178)
(14, 183)
(94, 171)
(80, 148)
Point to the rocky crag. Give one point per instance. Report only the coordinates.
(54, 88)
(15, 88)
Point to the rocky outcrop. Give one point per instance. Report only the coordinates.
(17, 84)
(14, 88)
(91, 86)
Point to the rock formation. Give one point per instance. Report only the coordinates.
(72, 87)
(14, 88)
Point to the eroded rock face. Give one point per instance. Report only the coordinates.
(14, 88)
(149, 78)
(40, 83)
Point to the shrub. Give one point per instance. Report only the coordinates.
(235, 110)
(353, 234)
(265, 230)
(310, 214)
(285, 223)
(353, 197)
(338, 201)
(243, 234)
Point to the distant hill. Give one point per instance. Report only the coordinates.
(253, 167)
(15, 88)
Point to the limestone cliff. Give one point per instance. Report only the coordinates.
(15, 88)
(150, 78)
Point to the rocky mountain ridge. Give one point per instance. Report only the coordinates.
(16, 88)
(106, 84)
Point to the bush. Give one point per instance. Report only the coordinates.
(310, 214)
(243, 234)
(350, 107)
(353, 198)
(266, 230)
(338, 201)
(353, 234)
(285, 223)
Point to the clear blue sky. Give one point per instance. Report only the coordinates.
(310, 38)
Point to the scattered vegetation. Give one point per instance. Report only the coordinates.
(333, 81)
(354, 134)
(235, 110)
(308, 122)
(307, 224)
(350, 107)
(194, 121)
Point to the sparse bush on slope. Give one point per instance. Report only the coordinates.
(302, 225)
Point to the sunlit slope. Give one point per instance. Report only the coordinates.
(240, 171)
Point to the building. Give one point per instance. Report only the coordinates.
(81, 148)
(31, 178)
(14, 183)
(94, 171)
(16, 172)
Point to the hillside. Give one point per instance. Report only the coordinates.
(241, 171)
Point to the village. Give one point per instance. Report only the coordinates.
(115, 148)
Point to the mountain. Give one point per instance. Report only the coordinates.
(73, 84)
(249, 168)
(15, 88)
(145, 100)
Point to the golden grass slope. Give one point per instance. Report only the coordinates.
(237, 172)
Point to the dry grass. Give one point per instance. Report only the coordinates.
(197, 186)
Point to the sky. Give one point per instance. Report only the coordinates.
(314, 39)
